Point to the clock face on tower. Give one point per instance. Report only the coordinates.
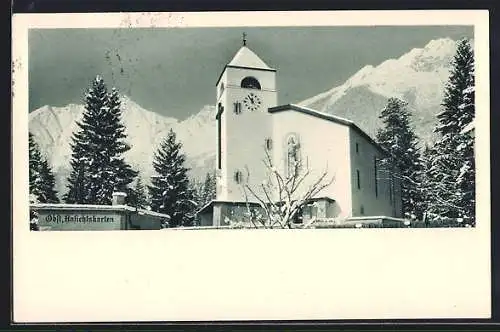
(252, 102)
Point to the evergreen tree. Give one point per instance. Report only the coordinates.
(403, 163)
(170, 190)
(116, 141)
(426, 187)
(204, 192)
(452, 170)
(197, 188)
(208, 188)
(47, 183)
(76, 181)
(136, 196)
(41, 178)
(98, 166)
(466, 180)
(198, 197)
(35, 158)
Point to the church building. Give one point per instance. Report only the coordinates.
(253, 128)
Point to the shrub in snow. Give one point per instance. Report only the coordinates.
(34, 221)
(281, 198)
(33, 199)
(235, 224)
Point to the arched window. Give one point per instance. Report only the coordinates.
(250, 83)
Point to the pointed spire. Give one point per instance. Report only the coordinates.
(246, 58)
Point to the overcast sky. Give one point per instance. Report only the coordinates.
(174, 71)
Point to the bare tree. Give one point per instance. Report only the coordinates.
(283, 196)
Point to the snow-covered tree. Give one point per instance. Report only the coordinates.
(198, 197)
(398, 138)
(204, 191)
(137, 196)
(34, 226)
(282, 197)
(209, 187)
(428, 192)
(41, 178)
(98, 166)
(115, 140)
(466, 180)
(453, 168)
(35, 158)
(77, 180)
(47, 184)
(170, 190)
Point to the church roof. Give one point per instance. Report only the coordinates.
(245, 57)
(329, 117)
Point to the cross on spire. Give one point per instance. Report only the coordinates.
(244, 39)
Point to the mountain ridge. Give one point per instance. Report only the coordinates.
(53, 128)
(418, 76)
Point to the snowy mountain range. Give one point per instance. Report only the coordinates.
(418, 77)
(53, 127)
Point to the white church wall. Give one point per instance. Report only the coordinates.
(221, 86)
(367, 200)
(220, 172)
(324, 145)
(245, 133)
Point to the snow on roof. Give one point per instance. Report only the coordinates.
(247, 58)
(209, 206)
(93, 207)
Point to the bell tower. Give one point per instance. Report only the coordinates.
(246, 89)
